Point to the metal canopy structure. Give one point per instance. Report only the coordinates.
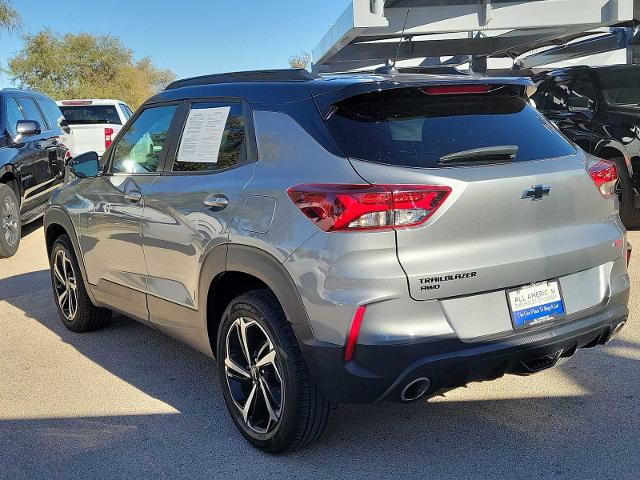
(372, 32)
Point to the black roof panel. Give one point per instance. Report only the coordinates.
(285, 86)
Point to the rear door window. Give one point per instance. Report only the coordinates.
(408, 127)
(213, 138)
(32, 112)
(126, 111)
(91, 114)
(51, 110)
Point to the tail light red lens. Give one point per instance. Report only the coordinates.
(367, 207)
(108, 137)
(605, 176)
(456, 89)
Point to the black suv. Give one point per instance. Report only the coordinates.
(599, 109)
(32, 160)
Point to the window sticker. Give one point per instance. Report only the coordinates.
(202, 135)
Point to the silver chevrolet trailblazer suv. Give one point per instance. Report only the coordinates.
(348, 238)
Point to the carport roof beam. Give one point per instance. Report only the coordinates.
(364, 20)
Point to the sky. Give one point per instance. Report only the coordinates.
(189, 37)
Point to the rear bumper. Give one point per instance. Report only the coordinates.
(380, 372)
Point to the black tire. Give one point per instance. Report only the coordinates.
(79, 315)
(304, 414)
(629, 214)
(10, 222)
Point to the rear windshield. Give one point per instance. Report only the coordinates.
(407, 127)
(89, 114)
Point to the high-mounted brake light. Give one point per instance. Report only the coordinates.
(367, 207)
(456, 89)
(354, 331)
(77, 102)
(108, 137)
(605, 176)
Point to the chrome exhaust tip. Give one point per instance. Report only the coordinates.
(415, 389)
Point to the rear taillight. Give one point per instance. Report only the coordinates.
(367, 207)
(605, 176)
(108, 137)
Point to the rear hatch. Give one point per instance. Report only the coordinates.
(522, 208)
(92, 126)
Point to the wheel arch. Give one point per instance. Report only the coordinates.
(245, 269)
(608, 149)
(9, 176)
(58, 222)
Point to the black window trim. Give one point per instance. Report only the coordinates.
(44, 113)
(165, 148)
(183, 113)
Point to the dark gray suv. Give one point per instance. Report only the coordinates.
(348, 238)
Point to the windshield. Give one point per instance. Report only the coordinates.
(408, 127)
(621, 86)
(91, 114)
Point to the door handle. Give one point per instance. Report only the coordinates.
(216, 201)
(133, 197)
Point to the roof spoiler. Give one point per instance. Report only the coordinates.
(325, 99)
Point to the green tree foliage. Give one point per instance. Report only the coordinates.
(9, 17)
(85, 66)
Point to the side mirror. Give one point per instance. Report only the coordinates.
(24, 128)
(64, 125)
(578, 103)
(85, 165)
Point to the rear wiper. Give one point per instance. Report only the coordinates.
(498, 153)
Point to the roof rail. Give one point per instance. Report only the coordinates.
(282, 75)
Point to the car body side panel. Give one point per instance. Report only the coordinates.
(109, 228)
(289, 155)
(179, 230)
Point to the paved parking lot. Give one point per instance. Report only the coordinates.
(129, 402)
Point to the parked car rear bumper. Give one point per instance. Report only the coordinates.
(381, 372)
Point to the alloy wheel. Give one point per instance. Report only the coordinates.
(253, 375)
(65, 284)
(9, 222)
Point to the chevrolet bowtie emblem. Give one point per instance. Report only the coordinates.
(536, 192)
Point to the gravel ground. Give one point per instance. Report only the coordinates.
(129, 402)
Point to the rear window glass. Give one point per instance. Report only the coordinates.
(407, 127)
(621, 85)
(89, 114)
(51, 110)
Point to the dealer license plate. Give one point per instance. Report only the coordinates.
(536, 303)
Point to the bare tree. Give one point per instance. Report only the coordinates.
(300, 60)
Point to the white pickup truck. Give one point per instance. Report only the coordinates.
(94, 123)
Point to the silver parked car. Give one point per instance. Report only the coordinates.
(344, 239)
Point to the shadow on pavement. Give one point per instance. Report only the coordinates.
(590, 436)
